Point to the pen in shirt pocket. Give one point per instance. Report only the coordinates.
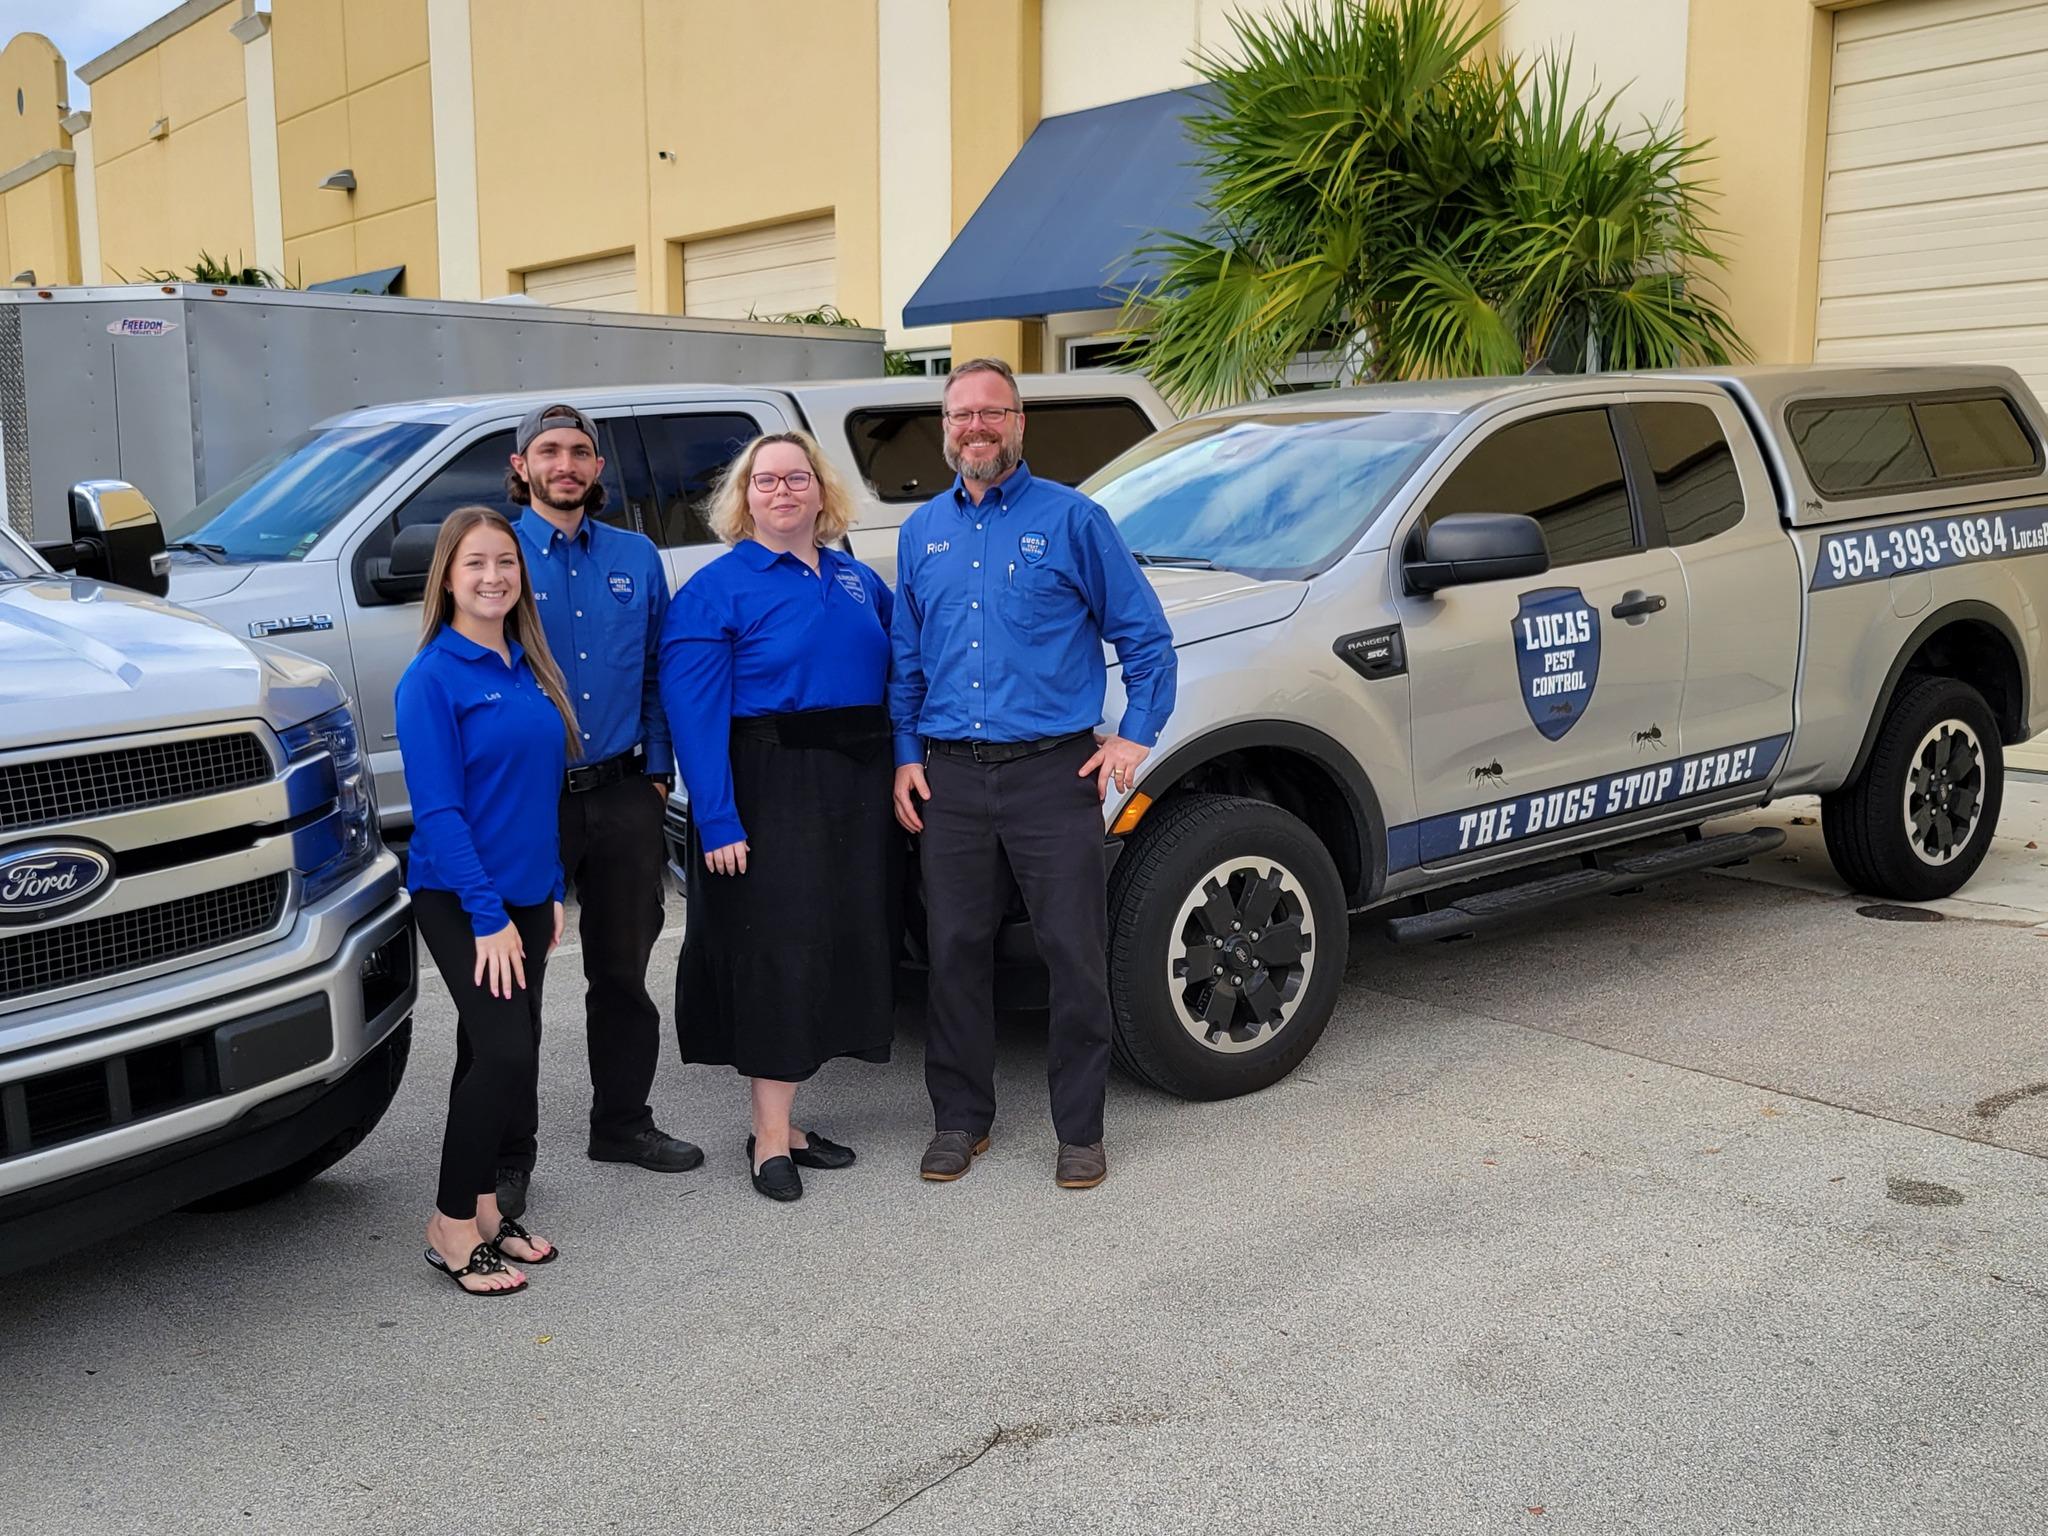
(1013, 573)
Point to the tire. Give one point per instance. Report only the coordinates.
(1159, 924)
(397, 1047)
(1918, 821)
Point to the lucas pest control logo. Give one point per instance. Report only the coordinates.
(1557, 654)
(1032, 547)
(38, 880)
(621, 586)
(850, 580)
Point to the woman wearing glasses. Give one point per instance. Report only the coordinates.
(774, 665)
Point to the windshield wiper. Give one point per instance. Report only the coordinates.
(217, 553)
(1191, 562)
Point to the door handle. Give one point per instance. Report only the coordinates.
(1637, 605)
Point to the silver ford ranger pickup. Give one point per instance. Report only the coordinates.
(206, 957)
(1456, 652)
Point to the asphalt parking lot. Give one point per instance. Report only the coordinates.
(1716, 1208)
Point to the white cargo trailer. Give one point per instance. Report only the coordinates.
(177, 388)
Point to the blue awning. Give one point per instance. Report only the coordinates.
(1056, 232)
(383, 280)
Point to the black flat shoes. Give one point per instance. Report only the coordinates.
(821, 1153)
(777, 1178)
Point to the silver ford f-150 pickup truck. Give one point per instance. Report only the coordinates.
(1458, 651)
(206, 958)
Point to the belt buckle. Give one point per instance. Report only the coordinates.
(974, 750)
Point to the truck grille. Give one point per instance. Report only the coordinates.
(45, 959)
(96, 783)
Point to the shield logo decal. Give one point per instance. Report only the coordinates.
(1032, 547)
(1557, 655)
(621, 586)
(850, 582)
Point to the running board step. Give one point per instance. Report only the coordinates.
(1493, 909)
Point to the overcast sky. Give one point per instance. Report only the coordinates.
(81, 29)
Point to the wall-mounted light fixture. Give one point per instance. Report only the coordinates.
(160, 129)
(663, 154)
(339, 181)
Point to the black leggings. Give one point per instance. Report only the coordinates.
(494, 1098)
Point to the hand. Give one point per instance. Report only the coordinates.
(661, 787)
(910, 788)
(729, 860)
(1116, 759)
(504, 958)
(560, 918)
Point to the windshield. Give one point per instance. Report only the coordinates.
(17, 559)
(1277, 495)
(278, 508)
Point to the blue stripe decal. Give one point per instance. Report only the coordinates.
(1501, 822)
(1899, 549)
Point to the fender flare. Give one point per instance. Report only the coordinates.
(1368, 821)
(1967, 611)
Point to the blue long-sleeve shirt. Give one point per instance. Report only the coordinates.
(484, 759)
(602, 596)
(1002, 607)
(756, 633)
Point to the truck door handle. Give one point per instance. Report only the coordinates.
(1636, 605)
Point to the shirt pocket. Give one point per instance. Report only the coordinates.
(1035, 601)
(622, 631)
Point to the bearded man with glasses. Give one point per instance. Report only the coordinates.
(1008, 586)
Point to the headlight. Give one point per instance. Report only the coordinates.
(335, 846)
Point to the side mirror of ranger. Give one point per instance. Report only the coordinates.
(1477, 546)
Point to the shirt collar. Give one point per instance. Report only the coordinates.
(542, 534)
(759, 557)
(455, 643)
(1005, 494)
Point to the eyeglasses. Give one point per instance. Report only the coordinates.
(796, 480)
(988, 416)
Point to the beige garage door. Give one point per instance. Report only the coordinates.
(783, 269)
(1934, 235)
(604, 282)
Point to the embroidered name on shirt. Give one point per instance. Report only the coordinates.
(621, 585)
(939, 548)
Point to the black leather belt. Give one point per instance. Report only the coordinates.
(584, 777)
(1007, 751)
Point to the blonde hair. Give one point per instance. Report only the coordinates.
(731, 518)
(521, 624)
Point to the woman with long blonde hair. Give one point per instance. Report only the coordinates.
(774, 661)
(488, 731)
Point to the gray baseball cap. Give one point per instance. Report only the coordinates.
(547, 418)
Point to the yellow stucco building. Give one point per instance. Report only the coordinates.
(1881, 165)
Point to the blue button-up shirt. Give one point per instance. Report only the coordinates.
(756, 633)
(1002, 607)
(484, 756)
(602, 597)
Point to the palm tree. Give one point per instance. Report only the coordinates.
(1382, 191)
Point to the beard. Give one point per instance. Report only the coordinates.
(1009, 454)
(548, 496)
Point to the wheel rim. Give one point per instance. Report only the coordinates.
(1944, 797)
(1240, 953)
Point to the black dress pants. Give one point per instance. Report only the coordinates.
(1047, 820)
(613, 856)
(492, 1099)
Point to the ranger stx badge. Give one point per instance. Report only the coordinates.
(35, 882)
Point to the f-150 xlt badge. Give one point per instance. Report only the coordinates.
(1557, 651)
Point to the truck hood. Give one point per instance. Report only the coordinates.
(79, 659)
(1203, 605)
(196, 579)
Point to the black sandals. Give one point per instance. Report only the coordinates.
(483, 1260)
(507, 1227)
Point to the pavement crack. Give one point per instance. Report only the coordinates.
(1464, 1011)
(995, 1438)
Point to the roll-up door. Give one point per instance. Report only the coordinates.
(780, 270)
(1935, 211)
(603, 282)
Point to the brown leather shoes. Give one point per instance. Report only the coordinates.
(950, 1154)
(1080, 1167)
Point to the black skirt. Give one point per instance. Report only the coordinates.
(793, 963)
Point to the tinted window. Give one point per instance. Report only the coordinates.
(688, 454)
(1283, 493)
(1695, 470)
(1860, 447)
(1975, 437)
(476, 477)
(1562, 470)
(901, 453)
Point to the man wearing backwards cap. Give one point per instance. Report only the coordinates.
(602, 595)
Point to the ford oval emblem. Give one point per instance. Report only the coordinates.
(40, 879)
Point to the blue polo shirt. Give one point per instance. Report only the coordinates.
(1002, 609)
(756, 632)
(484, 757)
(602, 597)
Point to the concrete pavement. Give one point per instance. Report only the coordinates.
(1716, 1208)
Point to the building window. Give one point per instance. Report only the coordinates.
(1103, 351)
(928, 361)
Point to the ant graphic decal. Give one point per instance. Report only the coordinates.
(1653, 738)
(1490, 773)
